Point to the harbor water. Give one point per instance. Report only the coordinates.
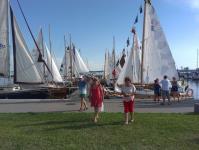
(195, 86)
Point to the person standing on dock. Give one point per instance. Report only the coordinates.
(174, 89)
(82, 84)
(128, 91)
(157, 90)
(166, 85)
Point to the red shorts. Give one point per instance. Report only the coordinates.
(128, 106)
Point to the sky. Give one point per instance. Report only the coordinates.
(93, 23)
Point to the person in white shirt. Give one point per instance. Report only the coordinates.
(166, 85)
(128, 90)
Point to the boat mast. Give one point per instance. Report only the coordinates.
(105, 66)
(143, 39)
(114, 59)
(50, 43)
(42, 50)
(14, 45)
(71, 61)
(197, 60)
(65, 52)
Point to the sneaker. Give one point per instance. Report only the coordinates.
(132, 120)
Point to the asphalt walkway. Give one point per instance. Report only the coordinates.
(110, 105)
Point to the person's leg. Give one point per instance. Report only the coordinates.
(163, 97)
(126, 112)
(84, 103)
(126, 118)
(96, 114)
(168, 97)
(81, 103)
(131, 110)
(178, 96)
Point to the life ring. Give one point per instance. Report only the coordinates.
(189, 92)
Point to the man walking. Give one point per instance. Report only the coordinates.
(166, 85)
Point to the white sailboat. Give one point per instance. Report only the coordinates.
(73, 64)
(132, 66)
(26, 73)
(156, 60)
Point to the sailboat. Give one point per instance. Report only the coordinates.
(72, 65)
(52, 77)
(156, 57)
(26, 74)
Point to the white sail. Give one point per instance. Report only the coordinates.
(131, 66)
(79, 64)
(56, 77)
(158, 60)
(65, 65)
(137, 58)
(35, 53)
(4, 45)
(25, 69)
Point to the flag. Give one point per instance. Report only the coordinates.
(122, 60)
(74, 52)
(141, 9)
(128, 42)
(136, 20)
(133, 30)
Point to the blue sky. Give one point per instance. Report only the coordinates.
(93, 23)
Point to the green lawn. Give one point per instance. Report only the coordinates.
(76, 131)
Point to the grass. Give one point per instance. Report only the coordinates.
(56, 131)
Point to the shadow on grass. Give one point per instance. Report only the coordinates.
(83, 125)
(72, 123)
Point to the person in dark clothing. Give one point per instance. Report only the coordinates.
(157, 89)
(174, 89)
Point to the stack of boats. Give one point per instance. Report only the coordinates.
(36, 74)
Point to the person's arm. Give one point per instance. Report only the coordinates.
(119, 85)
(133, 90)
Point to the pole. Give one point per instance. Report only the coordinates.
(197, 60)
(50, 43)
(71, 61)
(114, 58)
(65, 51)
(143, 42)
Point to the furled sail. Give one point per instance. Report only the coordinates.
(56, 77)
(25, 70)
(131, 66)
(4, 44)
(157, 57)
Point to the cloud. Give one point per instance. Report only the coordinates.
(193, 3)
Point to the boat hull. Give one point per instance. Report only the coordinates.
(25, 94)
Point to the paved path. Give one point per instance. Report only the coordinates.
(72, 105)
